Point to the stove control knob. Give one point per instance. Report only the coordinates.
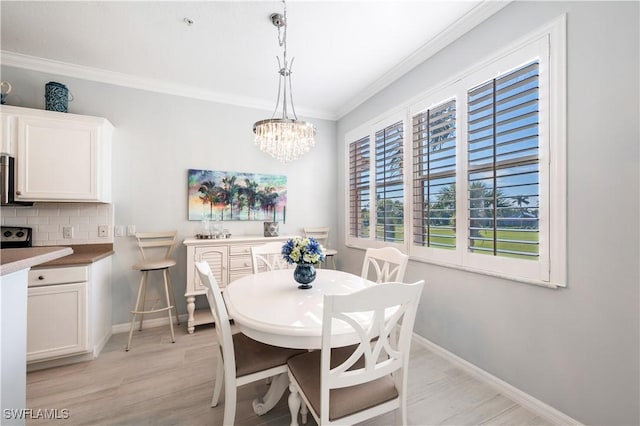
(20, 234)
(7, 234)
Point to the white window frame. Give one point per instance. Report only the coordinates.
(370, 131)
(548, 45)
(521, 268)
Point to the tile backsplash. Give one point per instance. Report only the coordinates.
(49, 219)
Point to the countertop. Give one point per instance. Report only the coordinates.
(14, 260)
(83, 254)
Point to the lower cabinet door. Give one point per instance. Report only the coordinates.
(57, 321)
(216, 257)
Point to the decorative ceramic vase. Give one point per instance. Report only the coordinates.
(304, 274)
(56, 97)
(5, 89)
(271, 229)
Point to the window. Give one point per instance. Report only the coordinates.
(434, 177)
(359, 191)
(377, 168)
(487, 169)
(503, 174)
(389, 184)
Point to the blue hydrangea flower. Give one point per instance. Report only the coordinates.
(303, 250)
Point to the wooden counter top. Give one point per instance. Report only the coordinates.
(83, 254)
(14, 260)
(77, 254)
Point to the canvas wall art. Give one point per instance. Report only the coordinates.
(219, 195)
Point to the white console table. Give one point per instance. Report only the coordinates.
(228, 258)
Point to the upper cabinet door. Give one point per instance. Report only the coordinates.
(7, 133)
(63, 157)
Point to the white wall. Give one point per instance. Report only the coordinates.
(157, 138)
(577, 349)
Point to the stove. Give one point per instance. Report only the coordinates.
(15, 237)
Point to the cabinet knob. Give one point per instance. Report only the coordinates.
(18, 192)
(41, 277)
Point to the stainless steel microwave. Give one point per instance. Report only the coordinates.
(7, 182)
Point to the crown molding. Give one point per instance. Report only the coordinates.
(463, 25)
(50, 66)
(474, 17)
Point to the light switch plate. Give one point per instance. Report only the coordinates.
(103, 230)
(67, 232)
(131, 230)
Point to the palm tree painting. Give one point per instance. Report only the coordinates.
(218, 195)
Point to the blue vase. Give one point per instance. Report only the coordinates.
(56, 96)
(304, 274)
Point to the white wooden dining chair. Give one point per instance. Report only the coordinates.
(321, 234)
(268, 257)
(156, 250)
(352, 384)
(387, 264)
(241, 360)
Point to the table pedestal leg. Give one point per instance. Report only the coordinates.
(279, 384)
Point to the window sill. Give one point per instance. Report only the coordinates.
(508, 277)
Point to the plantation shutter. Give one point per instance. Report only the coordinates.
(389, 188)
(359, 188)
(434, 177)
(503, 171)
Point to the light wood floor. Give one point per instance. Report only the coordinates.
(160, 383)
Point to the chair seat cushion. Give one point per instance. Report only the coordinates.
(343, 401)
(152, 265)
(331, 252)
(253, 356)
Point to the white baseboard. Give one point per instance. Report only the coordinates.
(58, 362)
(524, 399)
(99, 346)
(148, 323)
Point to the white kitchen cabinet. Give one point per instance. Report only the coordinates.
(59, 156)
(228, 258)
(57, 321)
(7, 134)
(57, 312)
(68, 313)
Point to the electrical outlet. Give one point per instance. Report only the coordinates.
(67, 232)
(118, 230)
(103, 230)
(131, 230)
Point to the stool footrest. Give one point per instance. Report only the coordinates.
(168, 308)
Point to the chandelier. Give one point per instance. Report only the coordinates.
(285, 138)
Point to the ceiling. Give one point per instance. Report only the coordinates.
(344, 50)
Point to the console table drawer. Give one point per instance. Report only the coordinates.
(240, 250)
(243, 263)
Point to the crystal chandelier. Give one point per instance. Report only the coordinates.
(284, 138)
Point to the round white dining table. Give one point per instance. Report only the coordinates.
(269, 307)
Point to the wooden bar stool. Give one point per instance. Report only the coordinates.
(163, 245)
